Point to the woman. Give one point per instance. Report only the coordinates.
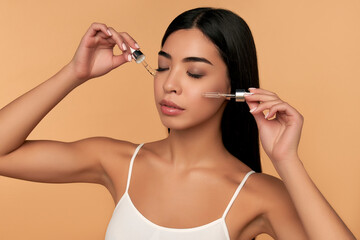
(198, 182)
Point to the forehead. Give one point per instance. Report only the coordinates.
(191, 42)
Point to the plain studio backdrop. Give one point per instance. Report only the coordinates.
(308, 52)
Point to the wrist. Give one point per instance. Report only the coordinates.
(66, 76)
(286, 167)
(72, 74)
(283, 157)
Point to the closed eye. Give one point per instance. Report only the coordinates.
(194, 75)
(161, 69)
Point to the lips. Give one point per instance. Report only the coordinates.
(170, 108)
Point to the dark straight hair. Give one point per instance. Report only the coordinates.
(233, 39)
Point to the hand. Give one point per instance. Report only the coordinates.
(94, 56)
(280, 129)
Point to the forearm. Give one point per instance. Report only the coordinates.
(21, 116)
(318, 217)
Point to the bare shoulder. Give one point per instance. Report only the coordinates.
(106, 149)
(111, 152)
(106, 145)
(277, 216)
(267, 187)
(261, 192)
(270, 193)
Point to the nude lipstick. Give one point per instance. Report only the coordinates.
(170, 108)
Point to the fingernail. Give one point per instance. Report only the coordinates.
(266, 115)
(123, 46)
(252, 110)
(252, 88)
(108, 31)
(136, 45)
(248, 94)
(129, 58)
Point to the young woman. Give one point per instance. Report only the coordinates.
(198, 182)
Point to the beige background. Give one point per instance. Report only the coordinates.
(308, 53)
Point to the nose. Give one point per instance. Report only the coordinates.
(172, 84)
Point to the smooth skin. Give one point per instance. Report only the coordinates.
(189, 174)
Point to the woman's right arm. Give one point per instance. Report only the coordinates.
(52, 161)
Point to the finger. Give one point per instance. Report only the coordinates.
(118, 39)
(283, 108)
(103, 35)
(261, 97)
(96, 27)
(124, 40)
(119, 60)
(129, 40)
(252, 104)
(261, 91)
(265, 106)
(259, 116)
(258, 96)
(261, 100)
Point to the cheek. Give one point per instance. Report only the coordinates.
(210, 106)
(199, 91)
(157, 89)
(202, 105)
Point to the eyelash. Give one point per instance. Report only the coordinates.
(197, 76)
(161, 69)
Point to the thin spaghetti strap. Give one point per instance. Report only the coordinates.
(131, 166)
(236, 193)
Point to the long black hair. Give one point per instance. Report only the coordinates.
(233, 39)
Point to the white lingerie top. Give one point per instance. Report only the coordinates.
(128, 223)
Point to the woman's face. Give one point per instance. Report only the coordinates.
(189, 65)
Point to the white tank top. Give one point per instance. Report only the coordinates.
(128, 223)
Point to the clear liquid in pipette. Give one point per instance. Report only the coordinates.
(148, 68)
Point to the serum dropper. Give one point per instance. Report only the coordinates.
(139, 57)
(239, 95)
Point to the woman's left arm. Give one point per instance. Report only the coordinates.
(280, 131)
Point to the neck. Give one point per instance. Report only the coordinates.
(194, 147)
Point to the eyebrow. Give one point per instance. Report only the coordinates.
(187, 59)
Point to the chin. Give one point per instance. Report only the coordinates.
(175, 125)
(181, 124)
